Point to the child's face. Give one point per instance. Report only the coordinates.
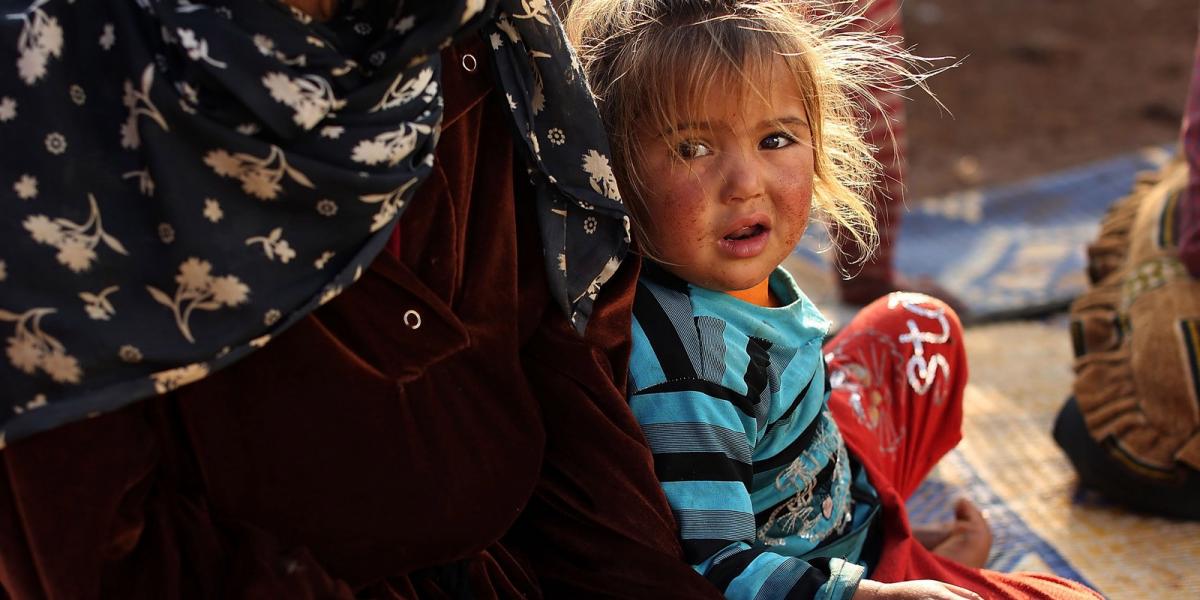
(738, 202)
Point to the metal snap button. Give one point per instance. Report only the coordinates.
(412, 319)
(469, 63)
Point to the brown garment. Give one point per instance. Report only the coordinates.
(1137, 335)
(436, 424)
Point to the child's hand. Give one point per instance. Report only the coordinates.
(923, 589)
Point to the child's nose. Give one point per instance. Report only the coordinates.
(743, 177)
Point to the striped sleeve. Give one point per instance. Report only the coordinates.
(701, 437)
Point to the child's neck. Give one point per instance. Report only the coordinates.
(760, 294)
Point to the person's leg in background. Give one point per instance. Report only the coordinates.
(1100, 469)
(877, 276)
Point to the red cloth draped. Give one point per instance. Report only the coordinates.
(900, 431)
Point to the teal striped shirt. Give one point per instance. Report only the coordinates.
(733, 400)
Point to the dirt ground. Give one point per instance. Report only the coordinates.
(1044, 85)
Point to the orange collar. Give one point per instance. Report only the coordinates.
(760, 294)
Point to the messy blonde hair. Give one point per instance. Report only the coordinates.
(649, 62)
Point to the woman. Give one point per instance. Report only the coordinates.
(402, 439)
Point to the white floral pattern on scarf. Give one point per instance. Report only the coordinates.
(247, 167)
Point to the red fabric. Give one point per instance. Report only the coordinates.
(899, 431)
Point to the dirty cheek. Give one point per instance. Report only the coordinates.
(798, 217)
(682, 213)
(798, 209)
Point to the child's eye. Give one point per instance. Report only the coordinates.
(693, 149)
(776, 141)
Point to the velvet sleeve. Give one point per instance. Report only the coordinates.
(598, 524)
(98, 509)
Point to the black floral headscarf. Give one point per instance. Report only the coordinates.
(184, 180)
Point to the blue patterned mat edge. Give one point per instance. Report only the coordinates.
(1014, 250)
(1013, 539)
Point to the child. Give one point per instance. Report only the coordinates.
(785, 464)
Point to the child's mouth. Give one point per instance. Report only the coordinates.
(746, 233)
(746, 242)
